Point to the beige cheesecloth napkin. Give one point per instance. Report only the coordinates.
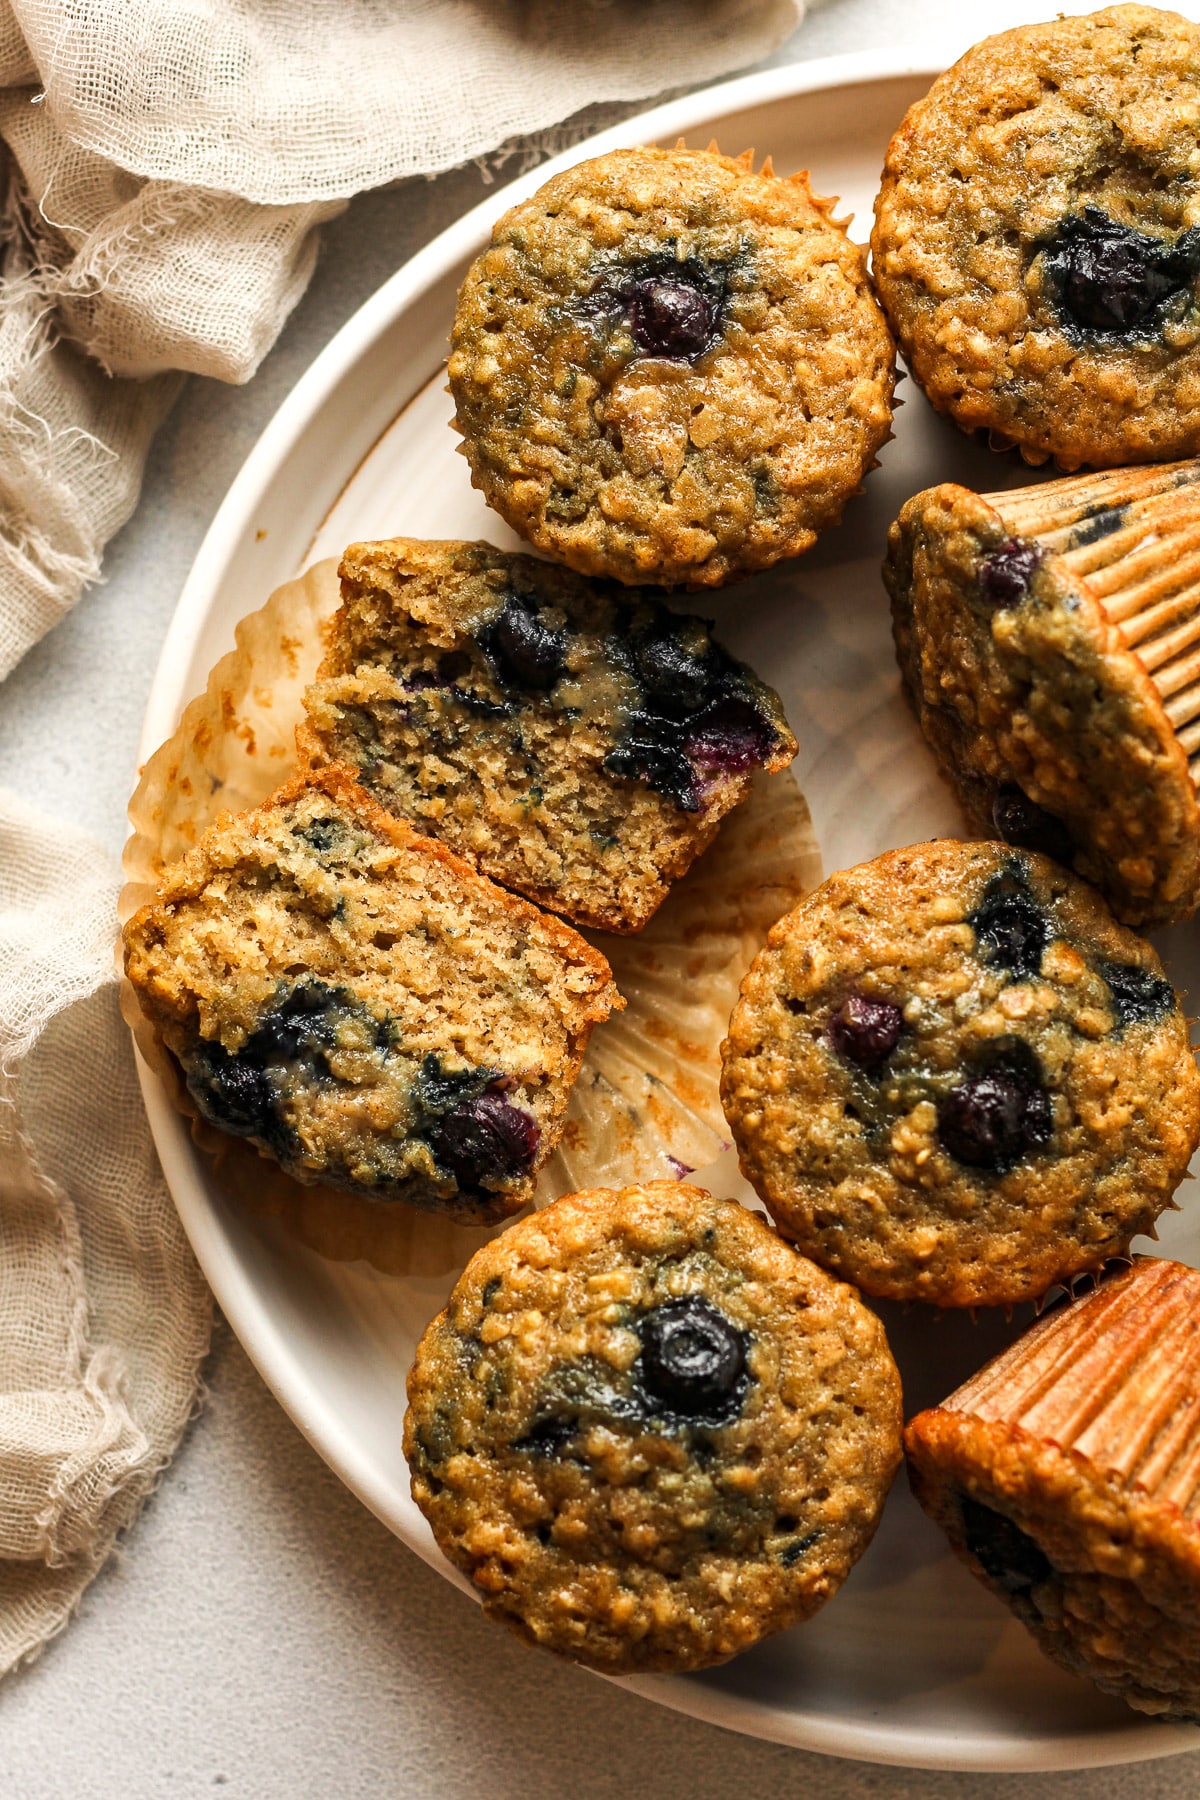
(163, 169)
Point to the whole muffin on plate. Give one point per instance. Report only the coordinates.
(667, 367)
(363, 1007)
(1037, 238)
(649, 1431)
(953, 1077)
(1067, 1476)
(575, 740)
(1049, 639)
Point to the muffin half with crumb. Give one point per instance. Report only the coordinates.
(575, 740)
(365, 1008)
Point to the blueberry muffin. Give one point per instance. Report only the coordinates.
(953, 1077)
(1037, 239)
(365, 1008)
(648, 1431)
(669, 368)
(1067, 1476)
(1049, 639)
(576, 741)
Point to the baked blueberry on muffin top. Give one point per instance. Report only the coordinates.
(1037, 239)
(649, 1431)
(667, 367)
(953, 1077)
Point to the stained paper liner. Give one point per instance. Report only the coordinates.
(1133, 535)
(646, 1104)
(1113, 1377)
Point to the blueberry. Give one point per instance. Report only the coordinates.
(239, 1094)
(234, 1092)
(321, 835)
(1112, 280)
(672, 672)
(730, 737)
(865, 1031)
(485, 1139)
(693, 1361)
(1099, 522)
(1005, 574)
(1138, 997)
(529, 653)
(548, 1436)
(650, 751)
(302, 1022)
(1006, 1554)
(1010, 928)
(437, 1089)
(692, 716)
(671, 316)
(997, 1115)
(1020, 821)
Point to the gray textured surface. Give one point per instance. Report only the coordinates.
(261, 1634)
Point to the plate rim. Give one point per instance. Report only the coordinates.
(236, 1293)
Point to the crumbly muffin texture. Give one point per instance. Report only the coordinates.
(363, 1006)
(953, 1077)
(575, 740)
(1064, 1476)
(1049, 728)
(1037, 238)
(669, 368)
(649, 1431)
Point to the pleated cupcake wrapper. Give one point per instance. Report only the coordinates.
(1113, 1376)
(1133, 536)
(647, 1102)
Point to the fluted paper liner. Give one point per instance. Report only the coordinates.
(1133, 535)
(646, 1104)
(1114, 1377)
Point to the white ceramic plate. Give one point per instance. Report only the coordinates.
(913, 1663)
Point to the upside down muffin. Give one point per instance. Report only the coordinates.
(1067, 1477)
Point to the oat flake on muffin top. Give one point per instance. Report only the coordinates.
(669, 368)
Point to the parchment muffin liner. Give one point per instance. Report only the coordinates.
(1112, 1375)
(647, 1102)
(1134, 536)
